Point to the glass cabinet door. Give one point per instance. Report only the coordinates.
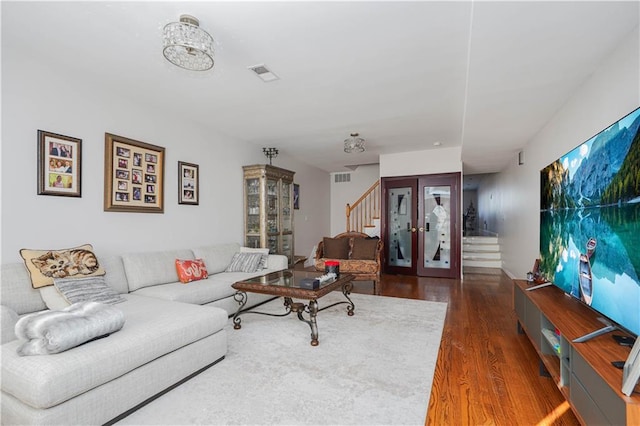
(252, 211)
(272, 206)
(272, 242)
(287, 246)
(286, 207)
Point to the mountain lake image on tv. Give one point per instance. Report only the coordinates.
(590, 222)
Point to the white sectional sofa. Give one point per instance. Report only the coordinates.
(171, 332)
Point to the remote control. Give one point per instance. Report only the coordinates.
(624, 340)
(618, 364)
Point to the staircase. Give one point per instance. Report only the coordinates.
(481, 252)
(364, 214)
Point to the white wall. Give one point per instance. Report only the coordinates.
(427, 162)
(35, 97)
(312, 220)
(348, 192)
(611, 93)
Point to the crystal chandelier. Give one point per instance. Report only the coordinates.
(187, 45)
(354, 144)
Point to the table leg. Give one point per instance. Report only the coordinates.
(346, 290)
(241, 298)
(312, 308)
(313, 312)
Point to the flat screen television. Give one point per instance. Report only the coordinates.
(590, 222)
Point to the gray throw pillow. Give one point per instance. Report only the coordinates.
(245, 262)
(89, 289)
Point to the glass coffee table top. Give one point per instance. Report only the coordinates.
(290, 278)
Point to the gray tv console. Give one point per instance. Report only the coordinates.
(582, 371)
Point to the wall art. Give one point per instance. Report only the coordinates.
(59, 164)
(296, 196)
(188, 183)
(133, 176)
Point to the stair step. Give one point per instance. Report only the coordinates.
(479, 240)
(494, 255)
(480, 247)
(482, 263)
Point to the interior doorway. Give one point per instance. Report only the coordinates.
(420, 218)
(477, 205)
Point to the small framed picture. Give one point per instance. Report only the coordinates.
(188, 183)
(126, 161)
(59, 164)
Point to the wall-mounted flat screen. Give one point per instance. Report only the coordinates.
(590, 222)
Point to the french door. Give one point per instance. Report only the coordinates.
(421, 225)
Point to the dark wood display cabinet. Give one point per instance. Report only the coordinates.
(582, 371)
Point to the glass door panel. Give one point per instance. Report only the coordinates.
(437, 227)
(253, 208)
(287, 245)
(399, 213)
(286, 207)
(272, 242)
(272, 205)
(253, 242)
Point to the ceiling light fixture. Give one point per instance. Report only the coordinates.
(187, 45)
(354, 144)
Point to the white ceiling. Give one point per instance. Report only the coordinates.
(486, 76)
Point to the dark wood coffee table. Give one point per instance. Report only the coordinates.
(286, 284)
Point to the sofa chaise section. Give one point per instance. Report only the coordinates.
(171, 332)
(44, 389)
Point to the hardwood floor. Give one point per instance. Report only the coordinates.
(486, 373)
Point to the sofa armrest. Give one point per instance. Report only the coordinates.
(277, 262)
(8, 320)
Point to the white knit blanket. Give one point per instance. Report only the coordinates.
(51, 332)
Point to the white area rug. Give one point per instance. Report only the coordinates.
(375, 367)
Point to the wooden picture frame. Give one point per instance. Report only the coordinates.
(59, 165)
(296, 196)
(133, 176)
(188, 183)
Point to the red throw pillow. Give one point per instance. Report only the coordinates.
(191, 270)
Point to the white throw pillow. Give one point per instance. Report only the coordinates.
(53, 299)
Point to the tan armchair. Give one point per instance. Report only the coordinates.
(358, 254)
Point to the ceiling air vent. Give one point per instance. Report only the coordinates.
(264, 73)
(342, 177)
